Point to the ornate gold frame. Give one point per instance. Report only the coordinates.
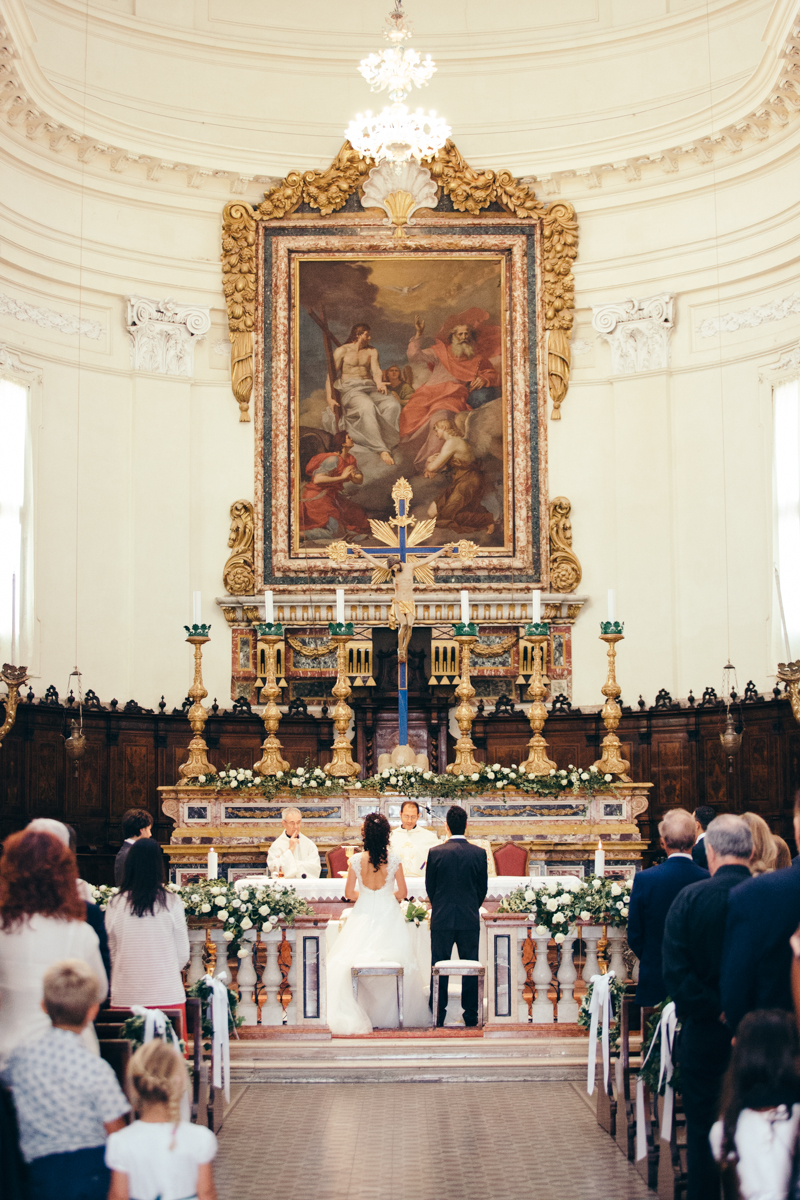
(471, 192)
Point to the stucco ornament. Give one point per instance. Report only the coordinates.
(163, 335)
(399, 190)
(638, 332)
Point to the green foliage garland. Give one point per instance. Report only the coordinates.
(617, 991)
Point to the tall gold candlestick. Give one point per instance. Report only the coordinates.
(537, 762)
(465, 763)
(197, 763)
(13, 677)
(611, 761)
(272, 760)
(342, 765)
(789, 673)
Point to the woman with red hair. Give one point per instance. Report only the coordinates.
(42, 922)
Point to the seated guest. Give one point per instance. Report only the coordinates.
(292, 854)
(691, 961)
(765, 851)
(160, 1156)
(412, 841)
(42, 920)
(760, 1115)
(136, 823)
(763, 913)
(651, 895)
(67, 1099)
(703, 816)
(147, 935)
(784, 854)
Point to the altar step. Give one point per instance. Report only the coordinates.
(410, 1059)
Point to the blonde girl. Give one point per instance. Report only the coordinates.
(160, 1157)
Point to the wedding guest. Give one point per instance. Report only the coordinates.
(784, 854)
(760, 1114)
(763, 913)
(159, 1155)
(691, 961)
(651, 896)
(136, 823)
(765, 851)
(42, 921)
(67, 1099)
(292, 854)
(412, 841)
(147, 935)
(703, 816)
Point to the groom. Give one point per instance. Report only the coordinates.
(456, 880)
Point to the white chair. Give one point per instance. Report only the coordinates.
(382, 968)
(457, 966)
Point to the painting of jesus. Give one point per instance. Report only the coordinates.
(399, 370)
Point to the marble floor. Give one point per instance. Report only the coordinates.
(419, 1141)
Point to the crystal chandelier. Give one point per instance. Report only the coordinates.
(397, 135)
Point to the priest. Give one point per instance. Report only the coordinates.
(292, 854)
(411, 841)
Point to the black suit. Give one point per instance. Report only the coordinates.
(691, 963)
(119, 862)
(95, 918)
(651, 895)
(456, 880)
(763, 913)
(699, 853)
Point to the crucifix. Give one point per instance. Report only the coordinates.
(402, 532)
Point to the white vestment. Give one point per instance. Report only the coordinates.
(413, 845)
(371, 418)
(301, 863)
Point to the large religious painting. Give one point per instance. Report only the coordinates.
(383, 360)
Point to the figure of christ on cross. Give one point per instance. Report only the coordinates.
(401, 569)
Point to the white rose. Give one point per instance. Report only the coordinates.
(264, 910)
(427, 774)
(584, 774)
(222, 914)
(227, 935)
(475, 776)
(240, 774)
(542, 931)
(553, 771)
(385, 773)
(357, 783)
(530, 894)
(625, 912)
(299, 770)
(220, 901)
(274, 920)
(597, 883)
(196, 898)
(236, 904)
(563, 774)
(496, 766)
(513, 775)
(205, 908)
(551, 905)
(201, 778)
(278, 775)
(313, 783)
(608, 778)
(393, 779)
(593, 770)
(559, 938)
(243, 952)
(234, 783)
(619, 905)
(327, 783)
(257, 778)
(616, 890)
(216, 891)
(559, 919)
(500, 784)
(490, 774)
(586, 916)
(244, 895)
(246, 923)
(248, 774)
(230, 917)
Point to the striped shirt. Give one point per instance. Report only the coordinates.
(147, 953)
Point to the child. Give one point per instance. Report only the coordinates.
(160, 1157)
(67, 1099)
(761, 1105)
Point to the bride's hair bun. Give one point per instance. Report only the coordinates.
(376, 839)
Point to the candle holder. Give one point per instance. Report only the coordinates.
(537, 762)
(465, 763)
(197, 763)
(611, 761)
(342, 765)
(13, 678)
(272, 760)
(789, 673)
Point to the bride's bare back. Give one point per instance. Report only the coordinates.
(373, 879)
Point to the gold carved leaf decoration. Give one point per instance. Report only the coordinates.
(558, 361)
(383, 531)
(238, 576)
(381, 575)
(496, 649)
(239, 285)
(421, 531)
(337, 552)
(565, 570)
(311, 651)
(422, 573)
(467, 550)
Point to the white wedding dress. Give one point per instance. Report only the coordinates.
(375, 931)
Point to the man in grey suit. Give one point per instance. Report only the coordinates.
(456, 880)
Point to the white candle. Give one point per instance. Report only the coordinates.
(212, 863)
(196, 608)
(465, 608)
(13, 620)
(599, 859)
(612, 605)
(269, 608)
(536, 606)
(340, 606)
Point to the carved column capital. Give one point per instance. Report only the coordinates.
(638, 332)
(163, 335)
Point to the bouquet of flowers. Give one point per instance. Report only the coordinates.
(102, 894)
(551, 907)
(414, 912)
(262, 907)
(413, 781)
(604, 901)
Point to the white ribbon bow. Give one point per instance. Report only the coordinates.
(220, 1042)
(664, 1035)
(155, 1025)
(599, 1009)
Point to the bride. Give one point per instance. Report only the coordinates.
(375, 931)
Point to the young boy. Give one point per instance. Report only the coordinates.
(67, 1099)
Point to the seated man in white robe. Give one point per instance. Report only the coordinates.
(412, 841)
(292, 854)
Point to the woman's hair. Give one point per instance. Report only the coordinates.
(143, 883)
(784, 856)
(764, 849)
(38, 874)
(157, 1075)
(376, 839)
(764, 1070)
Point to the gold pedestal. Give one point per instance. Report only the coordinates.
(342, 765)
(197, 763)
(13, 678)
(465, 763)
(272, 760)
(537, 762)
(611, 761)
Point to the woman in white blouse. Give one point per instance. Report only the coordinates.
(42, 922)
(147, 935)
